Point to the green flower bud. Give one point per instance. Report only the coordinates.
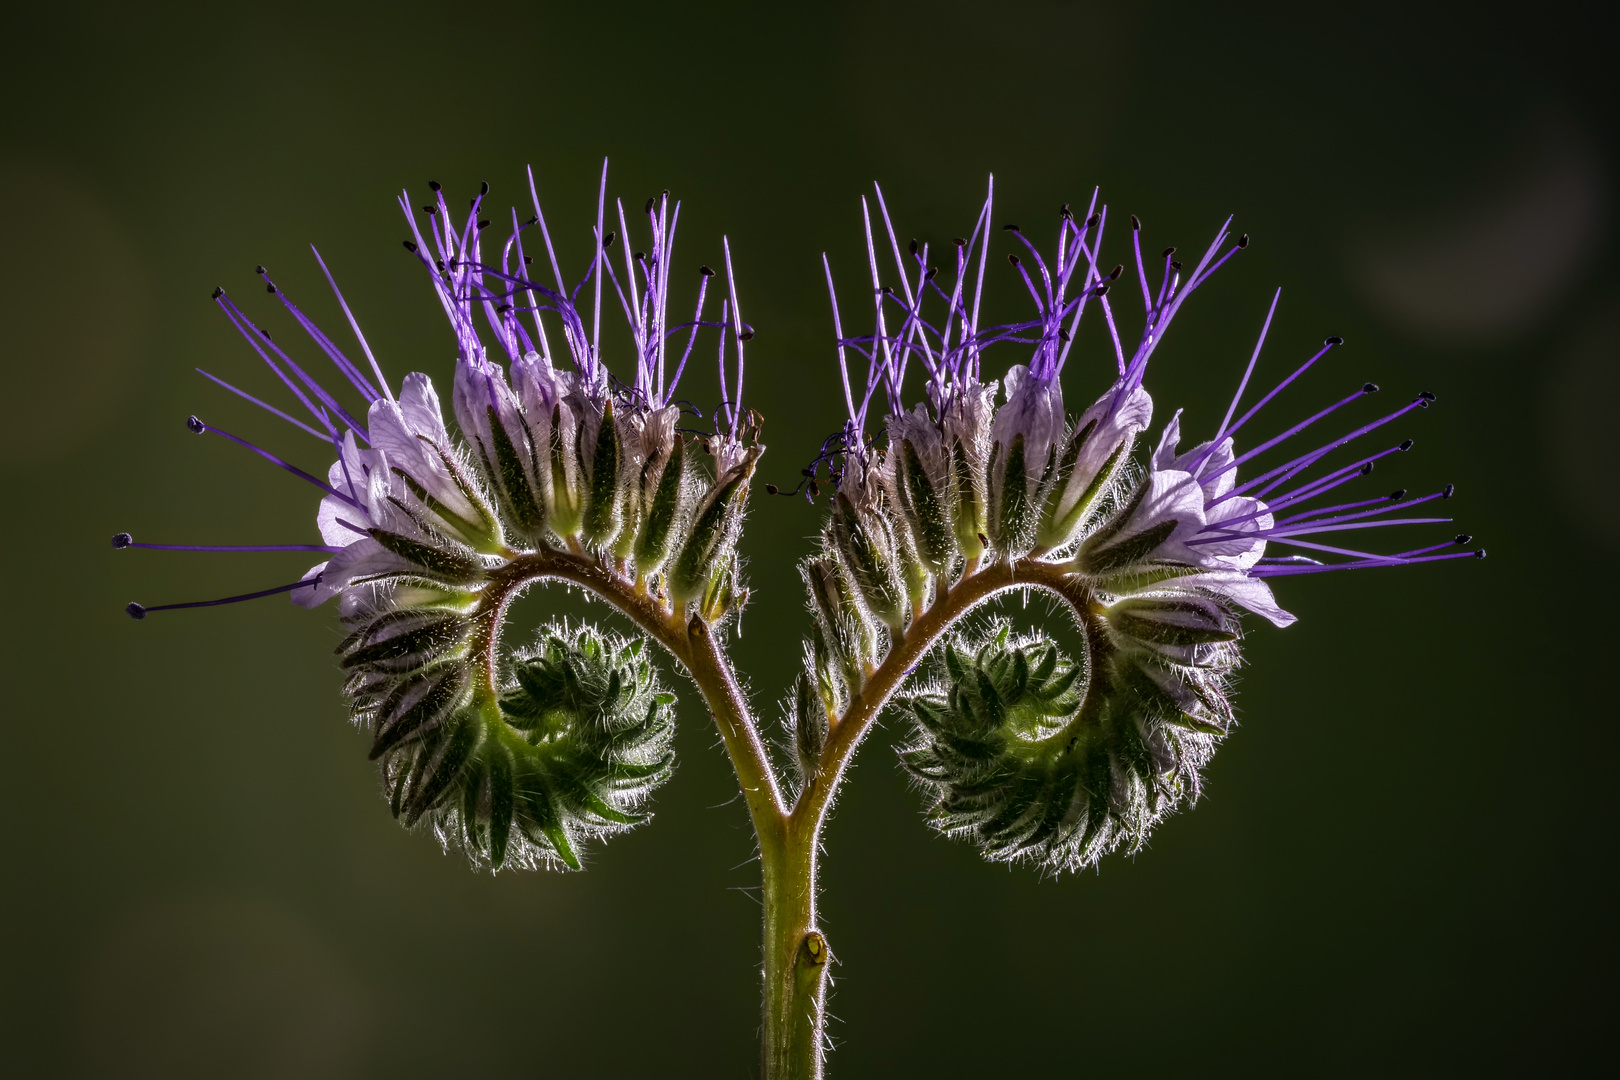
(866, 545)
(1037, 757)
(604, 502)
(569, 746)
(713, 532)
(664, 492)
(565, 493)
(810, 724)
(928, 511)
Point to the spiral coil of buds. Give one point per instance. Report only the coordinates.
(575, 740)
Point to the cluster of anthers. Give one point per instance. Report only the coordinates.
(563, 472)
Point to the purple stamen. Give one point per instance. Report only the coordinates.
(198, 427)
(267, 408)
(124, 540)
(326, 345)
(140, 611)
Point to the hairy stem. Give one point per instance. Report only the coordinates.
(795, 986)
(795, 951)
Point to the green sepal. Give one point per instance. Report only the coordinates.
(563, 512)
(519, 498)
(928, 511)
(968, 505)
(603, 504)
(1127, 552)
(711, 528)
(1056, 531)
(867, 550)
(455, 567)
(657, 532)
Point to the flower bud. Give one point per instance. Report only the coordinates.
(713, 532)
(600, 454)
(865, 543)
(811, 725)
(848, 638)
(1099, 444)
(664, 497)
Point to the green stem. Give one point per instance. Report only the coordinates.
(796, 955)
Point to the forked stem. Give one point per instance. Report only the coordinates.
(796, 953)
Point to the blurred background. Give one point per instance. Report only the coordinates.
(1404, 860)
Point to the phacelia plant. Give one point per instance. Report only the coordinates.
(970, 486)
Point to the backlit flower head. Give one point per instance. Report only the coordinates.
(428, 533)
(1154, 555)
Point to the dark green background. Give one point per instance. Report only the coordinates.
(1403, 863)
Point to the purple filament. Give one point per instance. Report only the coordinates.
(200, 427)
(140, 611)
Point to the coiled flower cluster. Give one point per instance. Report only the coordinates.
(1033, 755)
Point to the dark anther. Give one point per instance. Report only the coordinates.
(705, 271)
(122, 540)
(929, 276)
(440, 264)
(1009, 227)
(1480, 554)
(1407, 445)
(1334, 340)
(1065, 213)
(503, 309)
(607, 241)
(472, 203)
(410, 246)
(959, 241)
(772, 489)
(528, 260)
(1169, 251)
(1367, 468)
(271, 289)
(1398, 493)
(1101, 290)
(1012, 259)
(219, 291)
(483, 187)
(261, 271)
(885, 291)
(1369, 388)
(433, 185)
(534, 219)
(811, 473)
(746, 335)
(1425, 395)
(430, 209)
(484, 224)
(1136, 223)
(1093, 220)
(1461, 539)
(1063, 335)
(266, 334)
(195, 426)
(651, 199)
(639, 255)
(815, 489)
(1448, 491)
(1113, 275)
(135, 611)
(913, 247)
(1176, 266)
(1243, 241)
